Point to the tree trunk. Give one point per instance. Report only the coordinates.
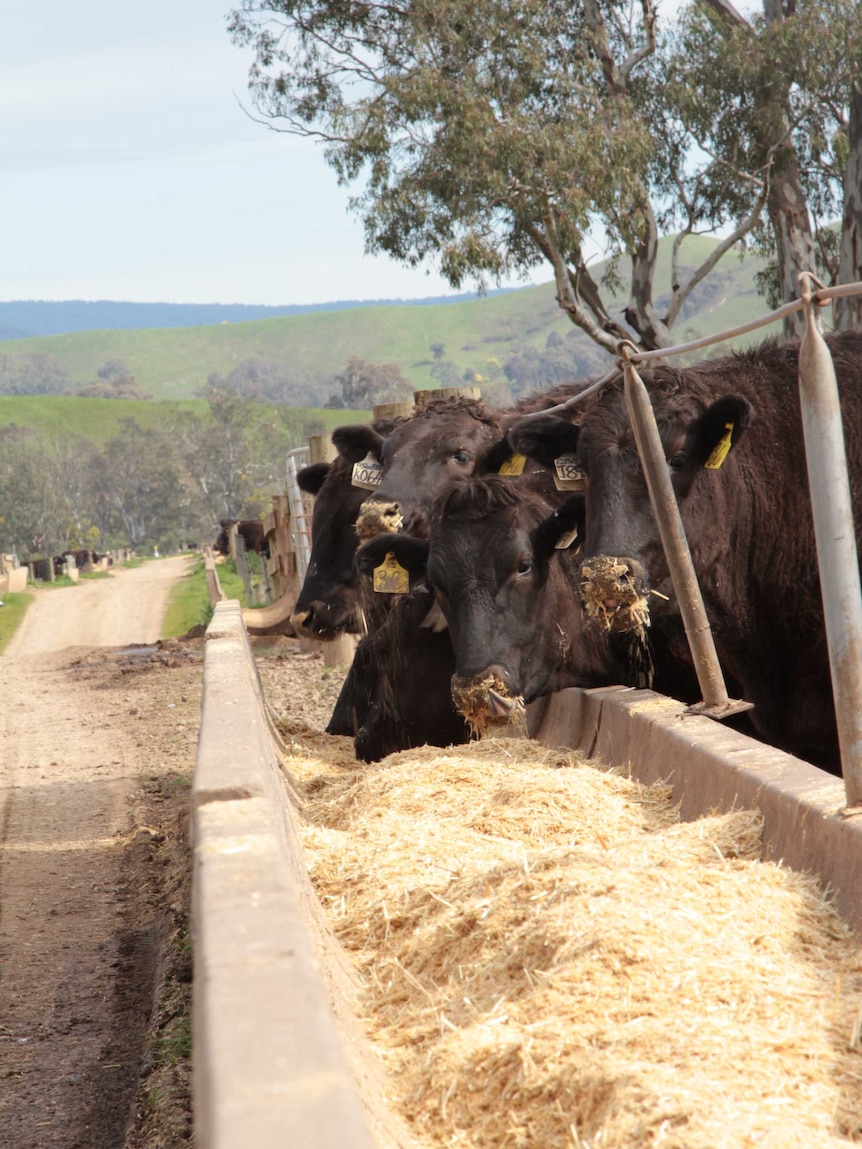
(786, 205)
(791, 228)
(641, 313)
(847, 313)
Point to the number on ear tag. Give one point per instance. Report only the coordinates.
(391, 577)
(513, 466)
(721, 448)
(565, 541)
(569, 475)
(368, 474)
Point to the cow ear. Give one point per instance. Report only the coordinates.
(411, 553)
(543, 438)
(494, 458)
(561, 530)
(310, 479)
(719, 429)
(356, 441)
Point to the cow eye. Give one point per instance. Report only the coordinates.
(677, 462)
(461, 456)
(525, 565)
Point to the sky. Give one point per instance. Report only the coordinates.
(130, 171)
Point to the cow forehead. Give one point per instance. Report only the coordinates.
(485, 541)
(608, 430)
(436, 436)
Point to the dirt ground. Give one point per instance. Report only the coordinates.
(98, 733)
(97, 745)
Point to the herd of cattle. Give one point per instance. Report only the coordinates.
(494, 556)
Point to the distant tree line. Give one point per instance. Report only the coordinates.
(144, 487)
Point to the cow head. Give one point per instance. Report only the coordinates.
(623, 556)
(326, 606)
(492, 561)
(444, 440)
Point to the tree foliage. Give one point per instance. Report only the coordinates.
(145, 487)
(494, 137)
(362, 384)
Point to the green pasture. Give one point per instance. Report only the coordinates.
(54, 416)
(174, 363)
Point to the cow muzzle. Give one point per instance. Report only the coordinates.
(614, 592)
(378, 518)
(317, 622)
(486, 699)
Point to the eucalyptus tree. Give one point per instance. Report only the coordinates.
(776, 98)
(492, 137)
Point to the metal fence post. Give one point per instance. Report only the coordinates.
(835, 534)
(709, 675)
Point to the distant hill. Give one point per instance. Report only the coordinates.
(522, 329)
(26, 319)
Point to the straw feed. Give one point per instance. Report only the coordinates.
(611, 598)
(487, 702)
(550, 959)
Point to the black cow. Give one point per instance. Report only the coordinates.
(412, 661)
(742, 486)
(251, 532)
(326, 606)
(508, 594)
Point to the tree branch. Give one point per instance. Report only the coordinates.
(568, 296)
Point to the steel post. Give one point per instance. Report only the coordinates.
(666, 510)
(835, 534)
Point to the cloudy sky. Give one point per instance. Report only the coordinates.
(129, 171)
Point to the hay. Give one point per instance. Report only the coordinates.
(378, 518)
(472, 698)
(551, 960)
(611, 597)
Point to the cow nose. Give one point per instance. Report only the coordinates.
(614, 591)
(377, 517)
(487, 698)
(301, 621)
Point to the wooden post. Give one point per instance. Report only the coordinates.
(423, 397)
(392, 410)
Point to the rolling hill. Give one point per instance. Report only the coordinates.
(175, 362)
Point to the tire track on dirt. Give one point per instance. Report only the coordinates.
(73, 964)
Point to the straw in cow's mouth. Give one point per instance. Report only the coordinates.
(611, 598)
(378, 519)
(487, 702)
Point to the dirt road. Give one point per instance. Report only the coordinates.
(91, 737)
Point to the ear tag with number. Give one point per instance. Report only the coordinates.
(569, 475)
(721, 448)
(368, 474)
(391, 577)
(565, 541)
(514, 466)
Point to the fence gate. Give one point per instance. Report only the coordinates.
(300, 511)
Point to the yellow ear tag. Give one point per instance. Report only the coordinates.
(391, 577)
(513, 466)
(720, 450)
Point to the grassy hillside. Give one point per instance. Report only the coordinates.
(174, 363)
(100, 419)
